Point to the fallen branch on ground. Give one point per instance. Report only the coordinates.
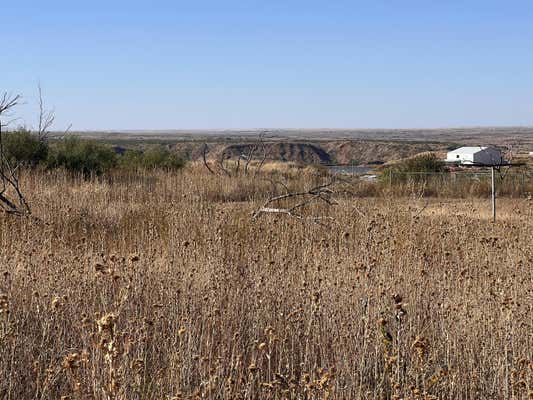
(322, 193)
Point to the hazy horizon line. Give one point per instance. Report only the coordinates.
(125, 130)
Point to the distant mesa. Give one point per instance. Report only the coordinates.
(282, 151)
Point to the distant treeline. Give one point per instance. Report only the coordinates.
(79, 155)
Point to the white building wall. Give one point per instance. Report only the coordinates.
(460, 157)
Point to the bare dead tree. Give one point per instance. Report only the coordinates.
(220, 161)
(263, 159)
(250, 155)
(223, 157)
(12, 200)
(321, 193)
(258, 146)
(509, 155)
(46, 117)
(204, 157)
(261, 144)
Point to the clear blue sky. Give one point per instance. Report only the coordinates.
(279, 63)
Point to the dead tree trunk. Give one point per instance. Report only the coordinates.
(12, 200)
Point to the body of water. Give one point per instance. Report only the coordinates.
(350, 169)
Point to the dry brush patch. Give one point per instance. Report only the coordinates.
(154, 287)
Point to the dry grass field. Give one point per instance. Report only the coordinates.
(162, 287)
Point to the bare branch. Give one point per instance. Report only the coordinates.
(264, 148)
(318, 193)
(249, 158)
(221, 164)
(12, 200)
(8, 101)
(204, 156)
(46, 117)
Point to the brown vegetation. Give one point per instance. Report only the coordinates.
(160, 286)
(373, 151)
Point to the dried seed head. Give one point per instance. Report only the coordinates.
(397, 298)
(4, 304)
(100, 268)
(106, 323)
(71, 361)
(421, 346)
(56, 303)
(269, 331)
(316, 297)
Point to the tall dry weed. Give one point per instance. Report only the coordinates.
(162, 287)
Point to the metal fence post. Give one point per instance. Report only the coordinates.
(493, 194)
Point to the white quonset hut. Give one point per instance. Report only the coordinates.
(475, 155)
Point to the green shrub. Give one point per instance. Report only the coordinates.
(422, 164)
(84, 156)
(130, 160)
(160, 157)
(154, 158)
(24, 147)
